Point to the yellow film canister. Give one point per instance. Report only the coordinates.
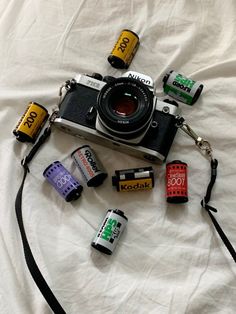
(31, 122)
(124, 50)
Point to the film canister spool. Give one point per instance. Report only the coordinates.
(133, 179)
(124, 50)
(31, 123)
(182, 88)
(110, 231)
(176, 182)
(61, 179)
(89, 165)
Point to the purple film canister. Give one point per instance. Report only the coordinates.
(65, 184)
(91, 168)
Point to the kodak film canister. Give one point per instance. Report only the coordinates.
(65, 184)
(31, 123)
(91, 168)
(133, 179)
(176, 182)
(110, 231)
(182, 88)
(124, 50)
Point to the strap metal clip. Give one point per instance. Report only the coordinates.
(53, 115)
(67, 86)
(202, 144)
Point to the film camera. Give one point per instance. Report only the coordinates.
(122, 113)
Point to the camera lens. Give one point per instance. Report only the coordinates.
(125, 107)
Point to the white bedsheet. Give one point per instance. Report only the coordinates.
(169, 259)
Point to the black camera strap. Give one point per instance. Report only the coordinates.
(210, 209)
(205, 147)
(30, 261)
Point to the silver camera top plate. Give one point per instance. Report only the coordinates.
(89, 81)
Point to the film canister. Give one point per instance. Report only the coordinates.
(31, 123)
(65, 184)
(176, 182)
(110, 230)
(182, 88)
(135, 179)
(91, 168)
(124, 50)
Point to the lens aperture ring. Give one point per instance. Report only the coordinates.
(125, 105)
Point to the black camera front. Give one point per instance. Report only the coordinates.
(121, 113)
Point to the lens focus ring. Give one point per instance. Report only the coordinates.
(125, 105)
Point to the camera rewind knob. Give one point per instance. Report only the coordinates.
(97, 76)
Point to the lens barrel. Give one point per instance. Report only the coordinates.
(125, 107)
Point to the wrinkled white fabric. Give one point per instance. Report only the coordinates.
(169, 259)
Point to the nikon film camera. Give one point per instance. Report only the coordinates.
(121, 113)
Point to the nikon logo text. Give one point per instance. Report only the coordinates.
(141, 79)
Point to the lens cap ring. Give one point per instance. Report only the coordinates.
(134, 118)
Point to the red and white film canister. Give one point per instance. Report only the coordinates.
(176, 182)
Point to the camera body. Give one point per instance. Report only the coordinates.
(121, 113)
